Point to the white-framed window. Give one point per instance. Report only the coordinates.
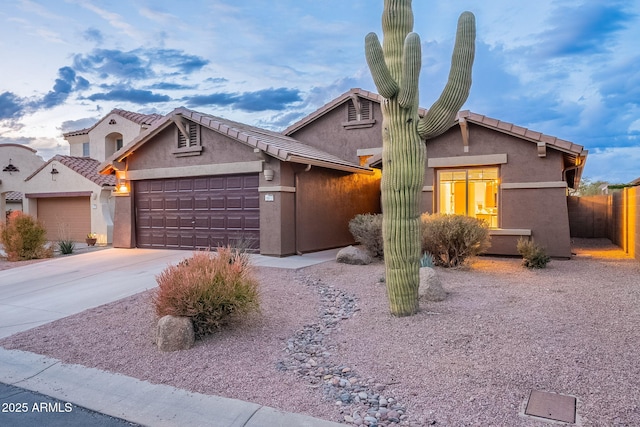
(469, 191)
(86, 152)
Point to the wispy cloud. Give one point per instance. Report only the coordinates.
(116, 20)
(11, 106)
(135, 96)
(583, 29)
(261, 100)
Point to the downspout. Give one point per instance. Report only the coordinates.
(296, 211)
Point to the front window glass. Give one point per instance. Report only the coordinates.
(470, 192)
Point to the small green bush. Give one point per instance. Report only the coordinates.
(367, 230)
(24, 237)
(533, 255)
(451, 239)
(210, 288)
(66, 246)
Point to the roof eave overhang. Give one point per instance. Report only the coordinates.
(330, 165)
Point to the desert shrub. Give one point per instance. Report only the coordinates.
(210, 287)
(426, 260)
(24, 237)
(533, 255)
(66, 246)
(367, 230)
(451, 239)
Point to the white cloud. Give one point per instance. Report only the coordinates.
(617, 165)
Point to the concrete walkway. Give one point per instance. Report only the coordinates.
(40, 293)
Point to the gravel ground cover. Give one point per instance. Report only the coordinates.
(324, 344)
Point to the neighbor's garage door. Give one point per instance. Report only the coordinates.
(65, 217)
(195, 213)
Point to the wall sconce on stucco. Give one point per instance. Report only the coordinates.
(268, 174)
(123, 186)
(54, 173)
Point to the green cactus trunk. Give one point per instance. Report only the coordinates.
(395, 68)
(403, 156)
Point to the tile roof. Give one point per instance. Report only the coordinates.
(272, 143)
(524, 133)
(13, 196)
(85, 166)
(141, 119)
(372, 96)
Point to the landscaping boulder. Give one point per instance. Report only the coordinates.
(430, 285)
(175, 333)
(353, 255)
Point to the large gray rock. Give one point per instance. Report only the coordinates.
(175, 333)
(430, 285)
(353, 255)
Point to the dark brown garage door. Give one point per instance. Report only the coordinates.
(197, 213)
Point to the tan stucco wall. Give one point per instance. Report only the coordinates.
(541, 210)
(328, 134)
(23, 158)
(102, 137)
(326, 201)
(68, 181)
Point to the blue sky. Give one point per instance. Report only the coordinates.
(567, 68)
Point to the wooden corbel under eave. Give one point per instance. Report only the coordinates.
(262, 155)
(357, 105)
(542, 149)
(119, 166)
(464, 129)
(178, 121)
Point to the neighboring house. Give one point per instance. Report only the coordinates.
(13, 201)
(109, 134)
(197, 181)
(71, 199)
(16, 163)
(513, 178)
(67, 193)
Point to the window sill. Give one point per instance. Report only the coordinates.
(359, 124)
(187, 151)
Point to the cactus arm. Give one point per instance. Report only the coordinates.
(412, 62)
(443, 112)
(386, 85)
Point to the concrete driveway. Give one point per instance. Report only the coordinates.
(39, 293)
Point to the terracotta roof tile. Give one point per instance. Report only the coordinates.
(84, 166)
(13, 196)
(139, 118)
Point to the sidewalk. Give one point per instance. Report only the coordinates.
(40, 293)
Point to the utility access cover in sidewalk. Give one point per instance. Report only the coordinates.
(552, 406)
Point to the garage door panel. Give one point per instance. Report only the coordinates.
(212, 211)
(65, 217)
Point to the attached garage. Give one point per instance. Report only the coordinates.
(65, 217)
(198, 212)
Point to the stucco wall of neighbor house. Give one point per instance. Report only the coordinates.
(326, 201)
(327, 133)
(25, 160)
(70, 182)
(75, 144)
(532, 196)
(101, 137)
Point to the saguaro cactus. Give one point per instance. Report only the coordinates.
(395, 67)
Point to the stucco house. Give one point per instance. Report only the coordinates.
(67, 194)
(17, 162)
(195, 181)
(514, 178)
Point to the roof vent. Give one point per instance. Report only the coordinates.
(10, 168)
(112, 122)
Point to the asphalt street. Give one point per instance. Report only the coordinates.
(24, 408)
